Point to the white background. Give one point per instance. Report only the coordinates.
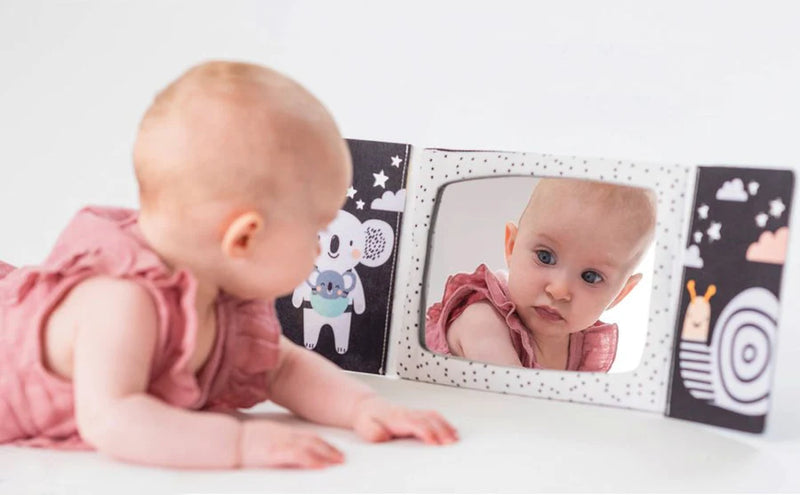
(683, 82)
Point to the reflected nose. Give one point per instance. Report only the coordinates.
(558, 290)
(334, 244)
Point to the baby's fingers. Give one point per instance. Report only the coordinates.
(310, 453)
(373, 431)
(326, 452)
(442, 430)
(413, 424)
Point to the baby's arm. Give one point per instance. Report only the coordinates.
(113, 351)
(316, 389)
(480, 334)
(116, 337)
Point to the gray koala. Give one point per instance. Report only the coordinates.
(329, 292)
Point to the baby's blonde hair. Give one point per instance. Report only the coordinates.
(635, 205)
(195, 137)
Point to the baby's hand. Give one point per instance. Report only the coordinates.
(377, 420)
(269, 444)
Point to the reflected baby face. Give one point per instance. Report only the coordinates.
(569, 260)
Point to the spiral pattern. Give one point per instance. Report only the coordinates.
(742, 348)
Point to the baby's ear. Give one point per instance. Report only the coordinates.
(238, 238)
(626, 289)
(511, 239)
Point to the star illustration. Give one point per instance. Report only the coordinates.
(714, 231)
(396, 161)
(752, 188)
(703, 211)
(698, 236)
(380, 179)
(761, 219)
(359, 205)
(351, 192)
(776, 207)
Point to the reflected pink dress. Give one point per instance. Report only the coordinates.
(591, 349)
(36, 406)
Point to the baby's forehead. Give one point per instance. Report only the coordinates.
(628, 206)
(593, 217)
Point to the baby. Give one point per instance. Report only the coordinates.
(143, 332)
(571, 257)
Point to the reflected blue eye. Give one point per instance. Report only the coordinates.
(591, 277)
(545, 257)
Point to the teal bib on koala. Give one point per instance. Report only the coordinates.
(330, 307)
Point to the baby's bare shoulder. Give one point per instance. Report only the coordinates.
(478, 318)
(111, 286)
(478, 327)
(103, 295)
(98, 304)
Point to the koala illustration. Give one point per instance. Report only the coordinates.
(329, 292)
(344, 245)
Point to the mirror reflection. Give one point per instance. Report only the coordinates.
(548, 273)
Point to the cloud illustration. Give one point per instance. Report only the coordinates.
(390, 201)
(732, 190)
(770, 247)
(692, 257)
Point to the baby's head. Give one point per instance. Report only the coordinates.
(239, 168)
(573, 254)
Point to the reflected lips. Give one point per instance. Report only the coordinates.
(548, 313)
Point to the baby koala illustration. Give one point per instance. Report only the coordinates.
(697, 321)
(329, 291)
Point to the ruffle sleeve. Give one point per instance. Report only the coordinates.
(250, 349)
(246, 341)
(5, 269)
(464, 289)
(597, 347)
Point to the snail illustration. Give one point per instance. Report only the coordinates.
(734, 371)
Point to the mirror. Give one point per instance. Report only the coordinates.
(565, 270)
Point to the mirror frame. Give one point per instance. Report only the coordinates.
(644, 388)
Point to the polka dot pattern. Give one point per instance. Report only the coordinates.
(644, 388)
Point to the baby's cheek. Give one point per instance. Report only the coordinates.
(356, 254)
(518, 293)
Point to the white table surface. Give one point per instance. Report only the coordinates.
(508, 444)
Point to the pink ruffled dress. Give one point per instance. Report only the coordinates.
(36, 406)
(591, 349)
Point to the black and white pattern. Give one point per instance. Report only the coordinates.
(736, 249)
(734, 372)
(695, 364)
(743, 350)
